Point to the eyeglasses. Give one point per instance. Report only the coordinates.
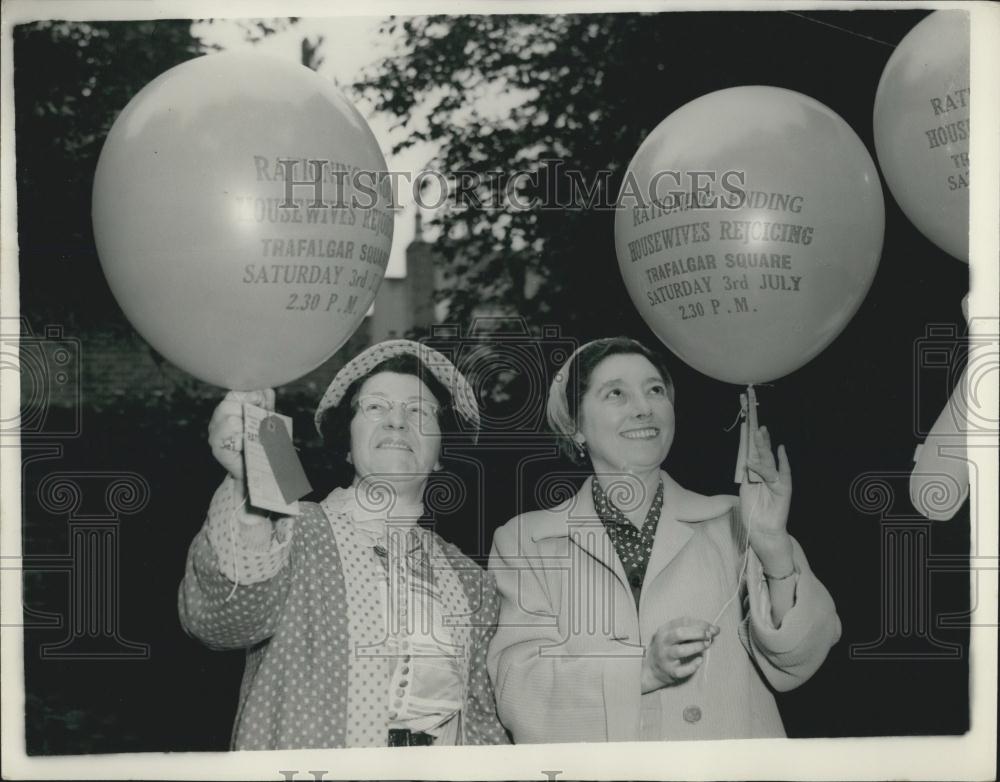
(377, 408)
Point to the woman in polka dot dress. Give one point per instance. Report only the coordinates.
(639, 610)
(362, 627)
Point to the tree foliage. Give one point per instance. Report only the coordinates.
(574, 96)
(71, 79)
(565, 98)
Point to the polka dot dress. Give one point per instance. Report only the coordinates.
(304, 624)
(633, 545)
(368, 674)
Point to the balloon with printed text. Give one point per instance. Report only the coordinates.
(242, 218)
(921, 123)
(748, 230)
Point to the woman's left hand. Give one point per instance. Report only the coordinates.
(765, 505)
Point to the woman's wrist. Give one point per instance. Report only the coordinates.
(649, 681)
(652, 679)
(774, 550)
(245, 515)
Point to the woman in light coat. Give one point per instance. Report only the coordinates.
(640, 610)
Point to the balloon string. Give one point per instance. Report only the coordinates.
(740, 579)
(733, 425)
(842, 29)
(236, 553)
(741, 413)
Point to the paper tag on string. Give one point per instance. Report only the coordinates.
(748, 425)
(741, 455)
(276, 439)
(275, 478)
(752, 428)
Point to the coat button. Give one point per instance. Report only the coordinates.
(635, 581)
(692, 714)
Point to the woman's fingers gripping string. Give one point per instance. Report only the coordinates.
(685, 650)
(261, 398)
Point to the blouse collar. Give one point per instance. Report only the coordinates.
(609, 513)
(372, 520)
(346, 501)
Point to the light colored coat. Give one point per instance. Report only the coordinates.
(566, 659)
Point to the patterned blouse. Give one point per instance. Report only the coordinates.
(633, 545)
(350, 628)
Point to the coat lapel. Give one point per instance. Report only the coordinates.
(671, 536)
(681, 508)
(588, 532)
(577, 519)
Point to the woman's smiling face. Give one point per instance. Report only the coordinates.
(399, 447)
(626, 418)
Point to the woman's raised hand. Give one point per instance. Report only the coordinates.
(765, 505)
(225, 430)
(676, 652)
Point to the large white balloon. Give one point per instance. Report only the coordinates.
(922, 129)
(753, 285)
(207, 259)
